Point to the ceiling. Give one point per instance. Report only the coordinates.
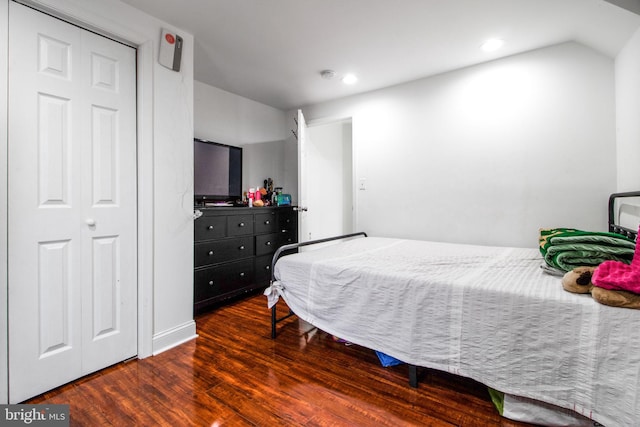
(272, 51)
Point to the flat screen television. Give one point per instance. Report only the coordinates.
(217, 172)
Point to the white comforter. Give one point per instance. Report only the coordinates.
(488, 313)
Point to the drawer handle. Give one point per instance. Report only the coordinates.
(242, 274)
(241, 248)
(241, 224)
(268, 267)
(210, 253)
(268, 243)
(210, 227)
(210, 282)
(267, 222)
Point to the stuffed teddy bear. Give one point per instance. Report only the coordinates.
(579, 281)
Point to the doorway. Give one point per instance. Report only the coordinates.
(330, 194)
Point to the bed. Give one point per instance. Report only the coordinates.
(488, 313)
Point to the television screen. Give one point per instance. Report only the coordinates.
(217, 171)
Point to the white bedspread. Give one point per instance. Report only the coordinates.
(488, 313)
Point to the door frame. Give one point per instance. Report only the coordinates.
(144, 163)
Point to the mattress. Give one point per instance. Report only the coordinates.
(487, 313)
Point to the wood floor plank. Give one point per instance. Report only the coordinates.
(234, 374)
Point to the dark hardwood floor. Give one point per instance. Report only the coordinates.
(233, 374)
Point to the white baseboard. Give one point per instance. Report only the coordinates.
(174, 337)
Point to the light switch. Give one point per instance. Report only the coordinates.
(362, 184)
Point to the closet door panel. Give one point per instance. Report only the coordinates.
(44, 239)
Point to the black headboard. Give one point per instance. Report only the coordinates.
(617, 228)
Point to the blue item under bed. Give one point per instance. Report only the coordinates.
(387, 360)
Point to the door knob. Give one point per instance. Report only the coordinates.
(90, 222)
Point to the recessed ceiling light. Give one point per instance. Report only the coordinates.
(349, 79)
(492, 45)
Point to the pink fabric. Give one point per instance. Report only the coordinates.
(616, 275)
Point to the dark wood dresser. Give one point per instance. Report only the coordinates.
(233, 248)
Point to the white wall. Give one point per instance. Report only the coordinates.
(261, 161)
(259, 129)
(227, 118)
(165, 170)
(627, 78)
(487, 154)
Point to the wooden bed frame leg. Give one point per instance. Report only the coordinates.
(413, 376)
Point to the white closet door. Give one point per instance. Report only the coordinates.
(109, 274)
(72, 203)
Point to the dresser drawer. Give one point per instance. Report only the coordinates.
(266, 223)
(287, 237)
(266, 244)
(215, 281)
(287, 219)
(210, 227)
(239, 225)
(223, 250)
(263, 269)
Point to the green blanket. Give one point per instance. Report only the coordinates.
(568, 248)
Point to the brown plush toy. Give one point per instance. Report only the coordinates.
(624, 299)
(578, 281)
